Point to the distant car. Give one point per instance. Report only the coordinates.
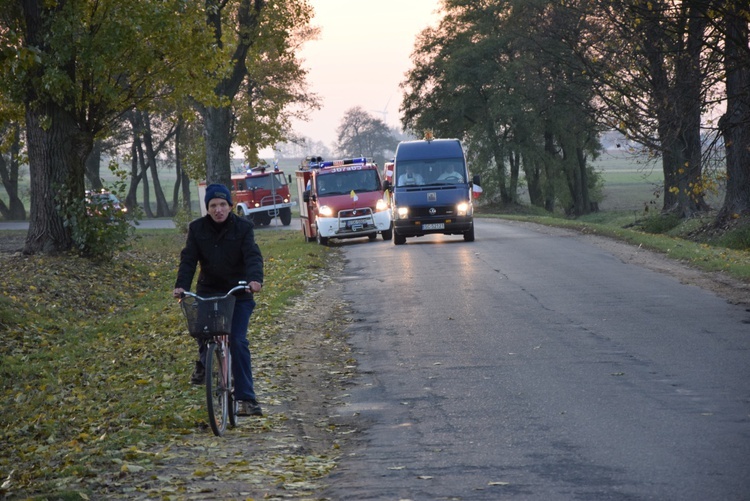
(104, 204)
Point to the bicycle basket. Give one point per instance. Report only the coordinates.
(208, 317)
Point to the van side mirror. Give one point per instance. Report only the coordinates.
(476, 180)
(386, 185)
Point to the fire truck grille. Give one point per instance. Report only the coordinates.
(355, 212)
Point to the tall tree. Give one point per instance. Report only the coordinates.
(361, 134)
(653, 76)
(77, 66)
(490, 74)
(735, 123)
(257, 39)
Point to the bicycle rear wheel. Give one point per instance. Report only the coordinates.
(217, 394)
(230, 391)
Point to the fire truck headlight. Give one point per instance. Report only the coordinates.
(325, 211)
(381, 205)
(402, 212)
(463, 209)
(257, 204)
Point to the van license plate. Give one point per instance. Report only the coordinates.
(433, 226)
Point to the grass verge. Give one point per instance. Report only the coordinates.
(96, 358)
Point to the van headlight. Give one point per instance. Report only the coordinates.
(325, 211)
(463, 209)
(402, 212)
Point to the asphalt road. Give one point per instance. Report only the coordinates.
(531, 366)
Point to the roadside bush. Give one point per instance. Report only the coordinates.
(182, 220)
(97, 236)
(660, 224)
(738, 239)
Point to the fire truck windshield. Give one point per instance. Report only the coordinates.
(343, 182)
(265, 182)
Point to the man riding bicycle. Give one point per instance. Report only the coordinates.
(224, 245)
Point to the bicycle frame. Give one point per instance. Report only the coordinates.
(222, 406)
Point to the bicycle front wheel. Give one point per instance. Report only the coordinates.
(217, 394)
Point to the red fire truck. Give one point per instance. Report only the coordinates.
(342, 199)
(260, 194)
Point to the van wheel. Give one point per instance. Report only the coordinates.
(469, 235)
(398, 239)
(387, 234)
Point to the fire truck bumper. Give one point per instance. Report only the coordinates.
(332, 227)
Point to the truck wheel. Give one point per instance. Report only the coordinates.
(469, 235)
(241, 213)
(398, 239)
(321, 240)
(286, 216)
(372, 237)
(387, 234)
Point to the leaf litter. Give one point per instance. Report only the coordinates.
(95, 368)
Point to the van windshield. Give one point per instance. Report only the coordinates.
(430, 172)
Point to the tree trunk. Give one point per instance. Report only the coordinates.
(735, 124)
(549, 172)
(217, 122)
(93, 163)
(162, 208)
(131, 200)
(677, 103)
(14, 211)
(57, 155)
(218, 133)
(182, 177)
(514, 161)
(534, 181)
(499, 156)
(583, 167)
(143, 167)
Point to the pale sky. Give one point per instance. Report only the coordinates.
(360, 59)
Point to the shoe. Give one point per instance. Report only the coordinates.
(199, 374)
(248, 408)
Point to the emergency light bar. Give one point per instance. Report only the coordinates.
(311, 163)
(254, 170)
(339, 163)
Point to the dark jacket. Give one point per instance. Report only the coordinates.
(227, 255)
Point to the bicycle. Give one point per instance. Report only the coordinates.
(209, 320)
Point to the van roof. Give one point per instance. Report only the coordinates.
(435, 148)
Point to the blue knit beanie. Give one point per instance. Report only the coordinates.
(217, 191)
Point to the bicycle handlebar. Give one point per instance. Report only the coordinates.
(242, 286)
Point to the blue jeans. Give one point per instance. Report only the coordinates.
(239, 346)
